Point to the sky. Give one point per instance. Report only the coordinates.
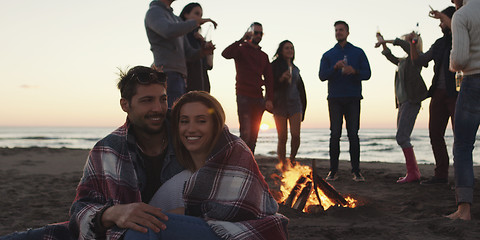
(59, 60)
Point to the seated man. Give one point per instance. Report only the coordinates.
(123, 170)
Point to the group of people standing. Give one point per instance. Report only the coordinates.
(174, 165)
(458, 50)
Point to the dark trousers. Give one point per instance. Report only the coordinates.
(250, 112)
(442, 108)
(350, 109)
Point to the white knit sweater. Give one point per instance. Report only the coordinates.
(465, 54)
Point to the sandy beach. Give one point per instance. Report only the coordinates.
(37, 187)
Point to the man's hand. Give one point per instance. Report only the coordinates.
(348, 70)
(269, 105)
(339, 65)
(201, 21)
(136, 216)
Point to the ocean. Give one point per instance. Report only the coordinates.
(376, 145)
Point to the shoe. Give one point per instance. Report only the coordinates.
(331, 176)
(357, 177)
(434, 180)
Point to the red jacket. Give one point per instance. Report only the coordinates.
(251, 64)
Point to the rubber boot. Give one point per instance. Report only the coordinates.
(413, 174)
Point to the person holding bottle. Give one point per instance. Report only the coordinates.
(344, 95)
(410, 91)
(465, 57)
(197, 76)
(253, 72)
(442, 92)
(289, 102)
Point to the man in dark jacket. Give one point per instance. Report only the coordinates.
(443, 93)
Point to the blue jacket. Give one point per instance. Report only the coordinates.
(340, 85)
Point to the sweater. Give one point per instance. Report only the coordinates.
(409, 84)
(340, 85)
(166, 34)
(465, 54)
(251, 64)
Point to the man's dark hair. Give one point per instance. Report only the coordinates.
(256, 23)
(449, 11)
(138, 75)
(342, 22)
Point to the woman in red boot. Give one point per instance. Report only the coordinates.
(410, 91)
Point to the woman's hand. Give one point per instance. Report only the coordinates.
(286, 76)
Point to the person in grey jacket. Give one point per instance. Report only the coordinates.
(410, 91)
(166, 34)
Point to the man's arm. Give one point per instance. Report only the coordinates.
(157, 20)
(327, 70)
(232, 50)
(95, 209)
(268, 76)
(364, 72)
(460, 44)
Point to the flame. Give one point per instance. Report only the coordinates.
(289, 178)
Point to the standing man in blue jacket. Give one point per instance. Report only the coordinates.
(344, 66)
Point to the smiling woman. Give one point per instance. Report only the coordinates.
(225, 195)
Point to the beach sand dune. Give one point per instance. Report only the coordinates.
(37, 187)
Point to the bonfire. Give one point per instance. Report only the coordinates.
(303, 189)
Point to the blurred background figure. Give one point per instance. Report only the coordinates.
(289, 101)
(442, 92)
(410, 91)
(197, 76)
(465, 57)
(253, 72)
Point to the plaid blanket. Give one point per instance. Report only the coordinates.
(230, 193)
(114, 174)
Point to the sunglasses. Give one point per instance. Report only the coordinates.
(258, 33)
(149, 78)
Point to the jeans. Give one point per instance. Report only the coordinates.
(350, 109)
(407, 115)
(442, 108)
(250, 112)
(58, 231)
(178, 227)
(467, 120)
(176, 87)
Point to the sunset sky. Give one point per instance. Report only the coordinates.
(59, 59)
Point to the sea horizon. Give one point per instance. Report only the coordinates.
(376, 144)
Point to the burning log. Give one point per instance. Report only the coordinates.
(303, 197)
(329, 191)
(315, 183)
(298, 186)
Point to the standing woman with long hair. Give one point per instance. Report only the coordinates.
(410, 91)
(289, 101)
(197, 76)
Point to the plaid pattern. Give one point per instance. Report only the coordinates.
(230, 193)
(113, 174)
(109, 178)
